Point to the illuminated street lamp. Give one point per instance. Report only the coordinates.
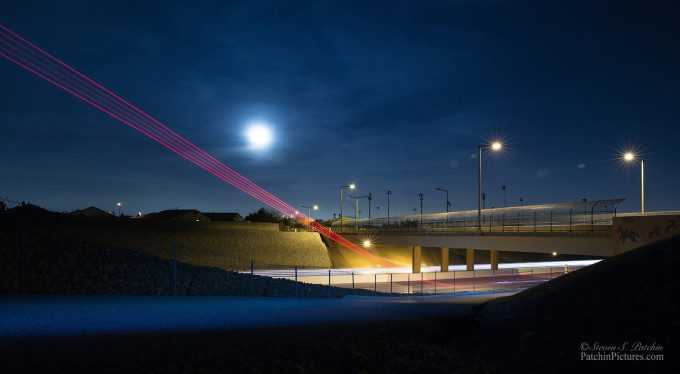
(630, 157)
(367, 243)
(309, 209)
(351, 186)
(495, 146)
(119, 205)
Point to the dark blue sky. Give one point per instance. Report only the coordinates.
(393, 95)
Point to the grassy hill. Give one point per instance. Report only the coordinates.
(41, 264)
(225, 245)
(632, 297)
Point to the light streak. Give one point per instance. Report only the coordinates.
(32, 58)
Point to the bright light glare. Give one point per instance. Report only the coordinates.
(496, 146)
(554, 253)
(315, 207)
(259, 136)
(352, 186)
(367, 243)
(629, 156)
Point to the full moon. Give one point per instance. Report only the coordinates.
(259, 136)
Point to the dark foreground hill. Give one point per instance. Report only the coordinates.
(630, 298)
(41, 264)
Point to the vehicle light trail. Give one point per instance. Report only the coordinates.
(32, 58)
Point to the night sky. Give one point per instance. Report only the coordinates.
(392, 95)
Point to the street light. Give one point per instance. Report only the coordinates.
(351, 186)
(389, 192)
(119, 204)
(495, 146)
(630, 157)
(309, 209)
(367, 243)
(447, 198)
(356, 210)
(505, 196)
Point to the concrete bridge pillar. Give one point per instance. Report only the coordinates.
(494, 259)
(470, 259)
(416, 258)
(444, 263)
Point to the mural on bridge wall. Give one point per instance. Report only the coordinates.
(632, 232)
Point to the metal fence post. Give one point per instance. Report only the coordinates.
(352, 283)
(252, 275)
(375, 282)
(174, 269)
(408, 283)
(435, 282)
(390, 282)
(474, 280)
(296, 281)
(329, 283)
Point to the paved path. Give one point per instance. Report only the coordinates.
(22, 317)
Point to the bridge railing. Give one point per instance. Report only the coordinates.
(584, 216)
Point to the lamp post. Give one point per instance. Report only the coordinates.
(370, 197)
(389, 192)
(521, 201)
(119, 205)
(495, 146)
(505, 196)
(421, 196)
(351, 186)
(483, 200)
(309, 209)
(356, 210)
(447, 198)
(630, 157)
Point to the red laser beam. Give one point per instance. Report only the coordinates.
(32, 58)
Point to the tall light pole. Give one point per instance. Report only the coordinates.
(421, 196)
(447, 198)
(630, 157)
(495, 146)
(351, 186)
(370, 197)
(356, 210)
(505, 196)
(309, 209)
(119, 205)
(389, 192)
(521, 201)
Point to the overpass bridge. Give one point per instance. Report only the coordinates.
(581, 228)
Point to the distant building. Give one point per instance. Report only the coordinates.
(179, 215)
(91, 212)
(231, 217)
